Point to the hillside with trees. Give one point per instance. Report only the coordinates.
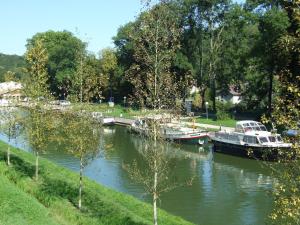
(13, 63)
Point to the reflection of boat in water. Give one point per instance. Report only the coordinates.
(194, 152)
(245, 177)
(171, 131)
(249, 139)
(109, 130)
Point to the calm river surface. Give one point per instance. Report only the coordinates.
(226, 189)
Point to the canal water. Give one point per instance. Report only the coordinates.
(225, 189)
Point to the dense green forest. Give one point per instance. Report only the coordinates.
(214, 45)
(13, 63)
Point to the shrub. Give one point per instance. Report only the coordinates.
(223, 110)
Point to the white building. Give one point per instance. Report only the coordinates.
(233, 96)
(11, 91)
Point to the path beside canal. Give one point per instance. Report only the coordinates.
(128, 122)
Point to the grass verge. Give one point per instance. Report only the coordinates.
(54, 196)
(19, 208)
(225, 123)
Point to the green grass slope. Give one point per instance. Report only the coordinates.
(19, 208)
(57, 191)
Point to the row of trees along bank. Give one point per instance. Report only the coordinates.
(83, 137)
(173, 44)
(214, 45)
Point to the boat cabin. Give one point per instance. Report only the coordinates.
(249, 125)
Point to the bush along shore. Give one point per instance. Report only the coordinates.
(53, 198)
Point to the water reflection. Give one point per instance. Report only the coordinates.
(226, 189)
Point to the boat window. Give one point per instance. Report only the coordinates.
(233, 137)
(239, 128)
(247, 129)
(279, 138)
(257, 128)
(250, 139)
(272, 139)
(263, 128)
(263, 139)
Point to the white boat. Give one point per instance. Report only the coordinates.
(172, 131)
(250, 139)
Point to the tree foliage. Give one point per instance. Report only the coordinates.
(83, 139)
(155, 39)
(36, 85)
(286, 114)
(62, 48)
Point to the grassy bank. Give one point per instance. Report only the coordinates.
(53, 199)
(225, 123)
(115, 111)
(19, 208)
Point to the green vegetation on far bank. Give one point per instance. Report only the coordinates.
(226, 123)
(54, 196)
(115, 111)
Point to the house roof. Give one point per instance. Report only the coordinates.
(234, 91)
(10, 86)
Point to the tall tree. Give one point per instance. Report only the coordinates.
(38, 127)
(37, 89)
(287, 114)
(125, 58)
(63, 48)
(108, 64)
(10, 119)
(36, 85)
(155, 38)
(82, 137)
(203, 25)
(89, 83)
(273, 24)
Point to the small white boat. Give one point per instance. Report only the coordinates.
(98, 116)
(172, 132)
(108, 121)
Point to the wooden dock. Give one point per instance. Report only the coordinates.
(123, 121)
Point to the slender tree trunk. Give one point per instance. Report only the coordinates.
(36, 165)
(155, 180)
(270, 93)
(80, 182)
(212, 66)
(214, 92)
(203, 90)
(81, 82)
(8, 156)
(156, 69)
(155, 197)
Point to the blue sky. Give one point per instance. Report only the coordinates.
(93, 21)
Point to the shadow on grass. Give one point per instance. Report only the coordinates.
(93, 204)
(22, 167)
(51, 189)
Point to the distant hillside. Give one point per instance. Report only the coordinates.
(12, 63)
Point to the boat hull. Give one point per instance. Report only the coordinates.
(254, 152)
(203, 139)
(196, 138)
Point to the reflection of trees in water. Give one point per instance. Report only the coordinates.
(173, 150)
(245, 180)
(204, 155)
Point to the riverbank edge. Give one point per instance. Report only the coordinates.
(57, 191)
